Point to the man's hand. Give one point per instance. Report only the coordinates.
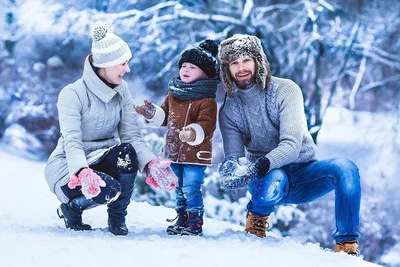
(228, 166)
(147, 110)
(234, 173)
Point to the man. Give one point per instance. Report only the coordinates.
(265, 115)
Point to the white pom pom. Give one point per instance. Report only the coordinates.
(99, 31)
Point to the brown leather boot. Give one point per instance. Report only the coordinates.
(350, 248)
(256, 225)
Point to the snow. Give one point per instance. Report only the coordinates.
(32, 235)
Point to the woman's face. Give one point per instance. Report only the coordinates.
(115, 74)
(190, 73)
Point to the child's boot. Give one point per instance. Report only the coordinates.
(180, 224)
(194, 224)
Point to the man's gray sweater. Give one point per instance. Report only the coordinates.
(267, 123)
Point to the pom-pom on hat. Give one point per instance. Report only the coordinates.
(108, 49)
(203, 56)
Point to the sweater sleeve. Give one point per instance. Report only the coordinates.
(232, 138)
(292, 123)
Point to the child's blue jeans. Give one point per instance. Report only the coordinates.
(188, 192)
(302, 183)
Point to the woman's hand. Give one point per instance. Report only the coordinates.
(89, 181)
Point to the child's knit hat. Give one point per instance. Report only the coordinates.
(243, 45)
(108, 49)
(203, 56)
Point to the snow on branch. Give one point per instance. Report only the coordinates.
(134, 12)
(204, 17)
(248, 6)
(380, 83)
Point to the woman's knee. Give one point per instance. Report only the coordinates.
(110, 192)
(127, 161)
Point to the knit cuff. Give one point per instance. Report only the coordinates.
(158, 118)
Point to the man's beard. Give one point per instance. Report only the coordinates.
(243, 84)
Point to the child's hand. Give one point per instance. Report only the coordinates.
(147, 110)
(187, 134)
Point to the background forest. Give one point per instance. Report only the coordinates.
(343, 54)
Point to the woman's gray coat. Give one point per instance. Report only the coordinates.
(93, 117)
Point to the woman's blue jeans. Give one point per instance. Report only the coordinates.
(305, 182)
(188, 192)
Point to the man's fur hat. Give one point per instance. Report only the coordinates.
(243, 45)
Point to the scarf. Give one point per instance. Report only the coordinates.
(202, 88)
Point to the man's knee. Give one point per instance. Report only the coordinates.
(271, 188)
(345, 165)
(346, 171)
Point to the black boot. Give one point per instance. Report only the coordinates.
(71, 213)
(117, 209)
(194, 224)
(180, 224)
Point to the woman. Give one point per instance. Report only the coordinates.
(100, 149)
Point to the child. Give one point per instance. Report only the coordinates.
(190, 112)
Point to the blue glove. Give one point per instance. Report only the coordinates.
(228, 166)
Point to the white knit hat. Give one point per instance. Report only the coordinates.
(108, 49)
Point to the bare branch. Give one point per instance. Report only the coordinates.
(357, 83)
(203, 17)
(347, 52)
(248, 6)
(327, 5)
(134, 12)
(380, 83)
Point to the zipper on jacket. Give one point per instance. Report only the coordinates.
(184, 125)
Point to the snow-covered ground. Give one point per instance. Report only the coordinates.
(31, 234)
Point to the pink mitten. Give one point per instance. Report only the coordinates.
(89, 181)
(150, 181)
(161, 174)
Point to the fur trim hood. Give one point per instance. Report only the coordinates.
(243, 45)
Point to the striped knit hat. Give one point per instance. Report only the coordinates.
(108, 49)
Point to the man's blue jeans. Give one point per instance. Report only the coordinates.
(188, 192)
(302, 183)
